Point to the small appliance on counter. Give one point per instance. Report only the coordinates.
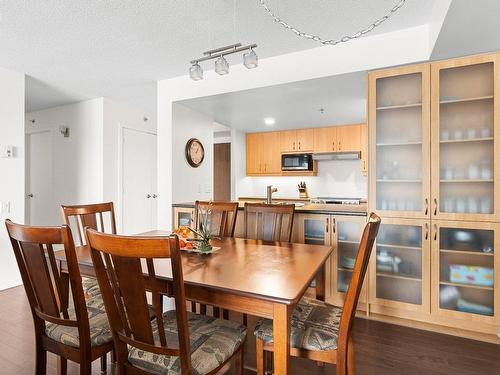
(303, 190)
(332, 200)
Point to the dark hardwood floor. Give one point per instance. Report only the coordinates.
(382, 349)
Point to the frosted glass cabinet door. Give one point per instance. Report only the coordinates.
(399, 128)
(400, 273)
(464, 139)
(466, 273)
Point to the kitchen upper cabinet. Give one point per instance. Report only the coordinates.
(399, 135)
(297, 141)
(465, 144)
(325, 139)
(348, 138)
(263, 156)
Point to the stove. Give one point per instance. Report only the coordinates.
(333, 200)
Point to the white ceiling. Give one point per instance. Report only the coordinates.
(292, 105)
(79, 49)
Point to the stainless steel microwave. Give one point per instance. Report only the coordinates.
(296, 162)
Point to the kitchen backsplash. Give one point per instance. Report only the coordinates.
(339, 178)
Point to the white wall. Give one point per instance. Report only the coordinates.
(117, 116)
(373, 52)
(11, 169)
(190, 183)
(77, 160)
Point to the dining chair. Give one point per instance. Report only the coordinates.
(79, 332)
(319, 331)
(177, 341)
(100, 216)
(222, 222)
(269, 222)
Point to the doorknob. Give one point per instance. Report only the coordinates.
(155, 196)
(30, 195)
(148, 196)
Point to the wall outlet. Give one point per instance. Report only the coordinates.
(4, 208)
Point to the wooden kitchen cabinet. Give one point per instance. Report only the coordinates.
(295, 141)
(399, 136)
(465, 275)
(465, 146)
(348, 138)
(400, 269)
(262, 154)
(253, 153)
(325, 139)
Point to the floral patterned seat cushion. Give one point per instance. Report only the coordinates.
(314, 326)
(100, 332)
(213, 341)
(90, 287)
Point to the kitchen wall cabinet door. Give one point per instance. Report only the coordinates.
(254, 151)
(364, 149)
(288, 141)
(305, 140)
(465, 142)
(465, 276)
(399, 136)
(346, 235)
(400, 268)
(325, 139)
(349, 138)
(271, 156)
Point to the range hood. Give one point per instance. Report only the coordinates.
(348, 155)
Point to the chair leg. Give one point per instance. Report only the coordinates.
(351, 365)
(225, 314)
(41, 360)
(259, 353)
(86, 368)
(238, 361)
(203, 309)
(193, 307)
(113, 356)
(62, 366)
(245, 320)
(216, 313)
(104, 363)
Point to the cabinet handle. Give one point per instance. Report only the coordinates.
(426, 206)
(148, 196)
(435, 232)
(426, 231)
(435, 206)
(334, 225)
(294, 145)
(333, 145)
(299, 145)
(327, 224)
(339, 146)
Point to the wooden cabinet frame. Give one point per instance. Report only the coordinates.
(397, 308)
(459, 319)
(424, 70)
(437, 67)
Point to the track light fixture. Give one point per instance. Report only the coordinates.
(250, 59)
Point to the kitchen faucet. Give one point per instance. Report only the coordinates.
(270, 191)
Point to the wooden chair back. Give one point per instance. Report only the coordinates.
(34, 251)
(100, 216)
(222, 217)
(125, 271)
(354, 290)
(269, 222)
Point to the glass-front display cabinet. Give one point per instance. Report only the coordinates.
(465, 259)
(399, 134)
(183, 217)
(400, 266)
(465, 145)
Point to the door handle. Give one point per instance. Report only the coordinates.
(435, 232)
(426, 206)
(426, 231)
(30, 195)
(148, 196)
(435, 206)
(155, 196)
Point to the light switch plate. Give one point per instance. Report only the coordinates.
(4, 208)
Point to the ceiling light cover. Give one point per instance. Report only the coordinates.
(250, 59)
(269, 121)
(221, 66)
(196, 72)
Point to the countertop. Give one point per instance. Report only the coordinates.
(307, 208)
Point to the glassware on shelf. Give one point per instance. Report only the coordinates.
(486, 173)
(473, 205)
(445, 134)
(449, 204)
(486, 205)
(485, 132)
(460, 205)
(471, 133)
(447, 173)
(458, 134)
(473, 171)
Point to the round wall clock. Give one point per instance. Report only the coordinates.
(195, 153)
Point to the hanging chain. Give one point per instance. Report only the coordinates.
(332, 42)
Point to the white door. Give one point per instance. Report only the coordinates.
(40, 203)
(139, 196)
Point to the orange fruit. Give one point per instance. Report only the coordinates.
(182, 243)
(189, 245)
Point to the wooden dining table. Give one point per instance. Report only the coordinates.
(264, 279)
